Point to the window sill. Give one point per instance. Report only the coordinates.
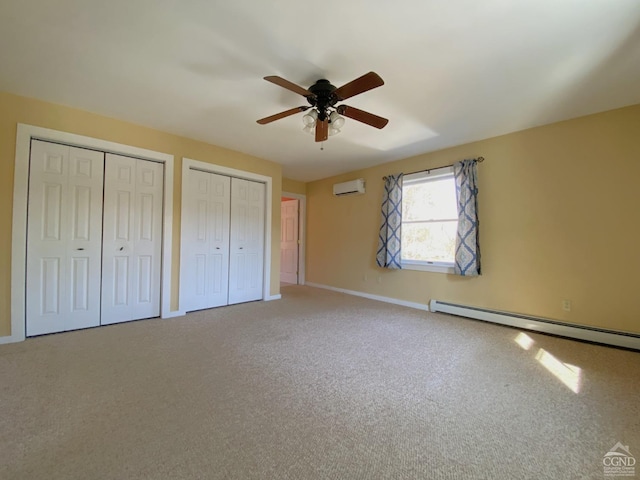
(428, 267)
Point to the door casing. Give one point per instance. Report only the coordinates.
(25, 133)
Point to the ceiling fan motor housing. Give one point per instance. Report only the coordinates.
(323, 97)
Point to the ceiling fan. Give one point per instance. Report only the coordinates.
(325, 117)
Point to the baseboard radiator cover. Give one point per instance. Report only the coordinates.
(542, 325)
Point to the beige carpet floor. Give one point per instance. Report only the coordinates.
(318, 385)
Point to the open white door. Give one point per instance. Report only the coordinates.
(64, 238)
(132, 239)
(205, 235)
(289, 244)
(246, 263)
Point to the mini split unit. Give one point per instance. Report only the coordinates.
(354, 187)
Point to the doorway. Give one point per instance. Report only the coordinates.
(292, 242)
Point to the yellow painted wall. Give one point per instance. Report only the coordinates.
(294, 186)
(558, 210)
(15, 109)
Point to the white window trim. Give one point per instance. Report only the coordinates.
(421, 265)
(437, 267)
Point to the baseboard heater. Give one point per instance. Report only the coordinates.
(543, 325)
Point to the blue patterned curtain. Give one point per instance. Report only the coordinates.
(467, 261)
(388, 254)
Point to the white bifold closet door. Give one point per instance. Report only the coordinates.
(246, 262)
(64, 238)
(222, 241)
(205, 278)
(132, 239)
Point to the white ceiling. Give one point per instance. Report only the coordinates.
(454, 71)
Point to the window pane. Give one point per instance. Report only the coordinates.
(430, 200)
(431, 242)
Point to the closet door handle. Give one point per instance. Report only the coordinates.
(80, 248)
(241, 248)
(217, 248)
(121, 248)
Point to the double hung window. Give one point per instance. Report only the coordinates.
(429, 220)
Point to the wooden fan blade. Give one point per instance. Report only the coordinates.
(280, 115)
(362, 116)
(366, 82)
(322, 130)
(288, 85)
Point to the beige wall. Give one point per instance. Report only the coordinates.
(293, 186)
(14, 110)
(558, 209)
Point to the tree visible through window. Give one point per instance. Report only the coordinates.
(429, 218)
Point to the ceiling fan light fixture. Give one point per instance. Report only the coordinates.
(337, 122)
(310, 118)
(324, 117)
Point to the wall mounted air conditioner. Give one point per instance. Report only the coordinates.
(353, 187)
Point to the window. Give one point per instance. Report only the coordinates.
(429, 220)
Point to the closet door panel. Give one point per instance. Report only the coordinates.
(206, 241)
(132, 239)
(247, 241)
(86, 183)
(148, 237)
(64, 238)
(117, 247)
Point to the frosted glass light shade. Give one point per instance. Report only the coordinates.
(336, 120)
(310, 118)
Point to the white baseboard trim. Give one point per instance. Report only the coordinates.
(543, 325)
(273, 297)
(11, 339)
(16, 338)
(395, 301)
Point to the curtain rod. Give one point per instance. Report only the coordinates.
(479, 160)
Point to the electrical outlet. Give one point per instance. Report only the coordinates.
(566, 305)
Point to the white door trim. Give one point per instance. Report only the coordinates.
(188, 164)
(302, 222)
(19, 226)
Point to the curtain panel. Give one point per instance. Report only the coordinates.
(389, 246)
(467, 257)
